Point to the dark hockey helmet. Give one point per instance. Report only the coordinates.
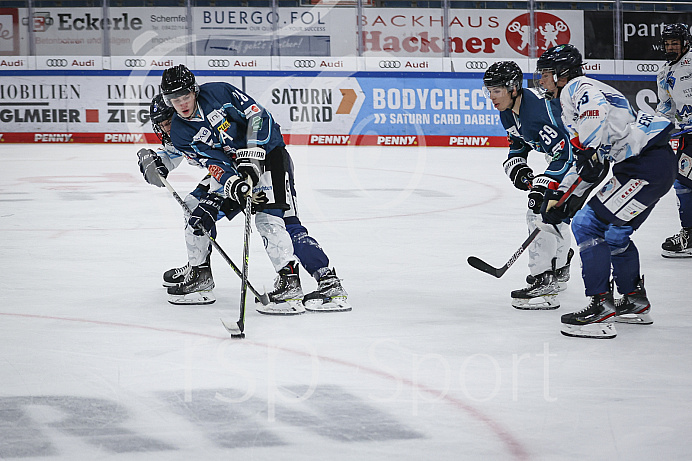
(562, 61)
(675, 31)
(505, 74)
(160, 112)
(177, 81)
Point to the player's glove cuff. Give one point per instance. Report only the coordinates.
(237, 189)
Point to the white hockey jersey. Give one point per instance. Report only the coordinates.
(172, 157)
(675, 91)
(598, 116)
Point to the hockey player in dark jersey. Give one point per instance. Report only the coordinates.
(533, 124)
(241, 146)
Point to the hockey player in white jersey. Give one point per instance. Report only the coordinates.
(604, 129)
(534, 124)
(675, 103)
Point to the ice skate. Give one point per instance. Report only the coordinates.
(594, 321)
(561, 273)
(330, 296)
(634, 307)
(195, 288)
(287, 296)
(176, 275)
(679, 245)
(540, 295)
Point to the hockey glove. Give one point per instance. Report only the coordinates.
(152, 167)
(554, 215)
(536, 199)
(519, 172)
(540, 184)
(237, 189)
(588, 166)
(250, 163)
(260, 198)
(204, 216)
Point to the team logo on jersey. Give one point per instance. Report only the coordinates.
(684, 111)
(684, 163)
(215, 117)
(252, 110)
(550, 31)
(591, 113)
(216, 171)
(685, 62)
(202, 135)
(557, 149)
(256, 123)
(670, 81)
(608, 187)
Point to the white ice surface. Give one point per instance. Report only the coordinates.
(433, 363)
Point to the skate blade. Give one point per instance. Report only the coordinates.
(541, 303)
(291, 307)
(592, 330)
(677, 254)
(638, 319)
(335, 304)
(196, 298)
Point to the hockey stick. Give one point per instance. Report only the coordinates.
(264, 299)
(500, 271)
(681, 132)
(237, 331)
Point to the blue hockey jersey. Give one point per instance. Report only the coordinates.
(539, 127)
(226, 119)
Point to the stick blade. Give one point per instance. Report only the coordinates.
(264, 299)
(235, 329)
(484, 267)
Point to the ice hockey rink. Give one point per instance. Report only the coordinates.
(433, 363)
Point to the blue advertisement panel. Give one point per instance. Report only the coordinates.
(426, 106)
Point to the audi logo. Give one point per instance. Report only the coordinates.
(390, 64)
(219, 63)
(647, 67)
(135, 63)
(304, 63)
(476, 65)
(56, 62)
